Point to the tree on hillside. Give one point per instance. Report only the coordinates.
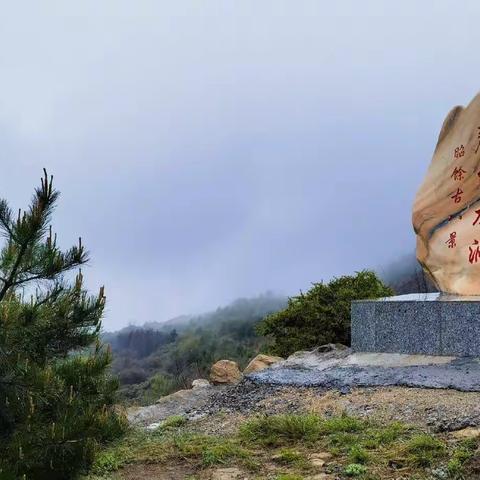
(322, 315)
(56, 399)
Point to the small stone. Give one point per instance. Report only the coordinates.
(466, 433)
(317, 462)
(153, 426)
(200, 383)
(260, 362)
(225, 371)
(320, 459)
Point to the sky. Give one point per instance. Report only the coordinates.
(209, 150)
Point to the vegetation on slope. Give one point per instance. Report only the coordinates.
(289, 446)
(322, 315)
(152, 363)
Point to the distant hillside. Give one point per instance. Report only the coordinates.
(158, 358)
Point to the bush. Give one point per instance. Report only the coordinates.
(354, 470)
(322, 315)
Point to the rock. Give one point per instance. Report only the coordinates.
(466, 433)
(261, 362)
(178, 403)
(200, 383)
(446, 212)
(320, 459)
(227, 474)
(317, 462)
(225, 371)
(321, 476)
(330, 347)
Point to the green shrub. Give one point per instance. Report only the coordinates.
(322, 315)
(355, 469)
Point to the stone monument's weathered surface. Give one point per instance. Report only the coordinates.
(446, 212)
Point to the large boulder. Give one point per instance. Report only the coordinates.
(224, 372)
(260, 362)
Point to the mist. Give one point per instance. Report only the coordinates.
(212, 150)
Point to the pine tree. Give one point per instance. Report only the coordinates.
(56, 395)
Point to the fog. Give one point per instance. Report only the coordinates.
(216, 149)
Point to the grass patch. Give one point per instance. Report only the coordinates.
(464, 452)
(221, 452)
(281, 429)
(342, 424)
(423, 449)
(288, 476)
(354, 443)
(291, 457)
(386, 435)
(358, 455)
(172, 422)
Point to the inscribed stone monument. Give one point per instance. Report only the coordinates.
(446, 211)
(446, 220)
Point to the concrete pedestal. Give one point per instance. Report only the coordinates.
(430, 324)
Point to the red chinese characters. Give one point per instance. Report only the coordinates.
(459, 152)
(474, 252)
(452, 240)
(458, 173)
(457, 197)
(478, 217)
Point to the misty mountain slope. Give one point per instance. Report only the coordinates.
(159, 358)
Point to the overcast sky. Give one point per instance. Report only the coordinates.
(207, 150)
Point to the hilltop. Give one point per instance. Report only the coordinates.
(260, 429)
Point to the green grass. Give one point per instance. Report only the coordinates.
(291, 457)
(423, 449)
(464, 452)
(288, 476)
(357, 454)
(172, 422)
(360, 448)
(342, 424)
(279, 430)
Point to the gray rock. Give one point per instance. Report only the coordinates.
(182, 402)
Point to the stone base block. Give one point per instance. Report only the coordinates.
(429, 324)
